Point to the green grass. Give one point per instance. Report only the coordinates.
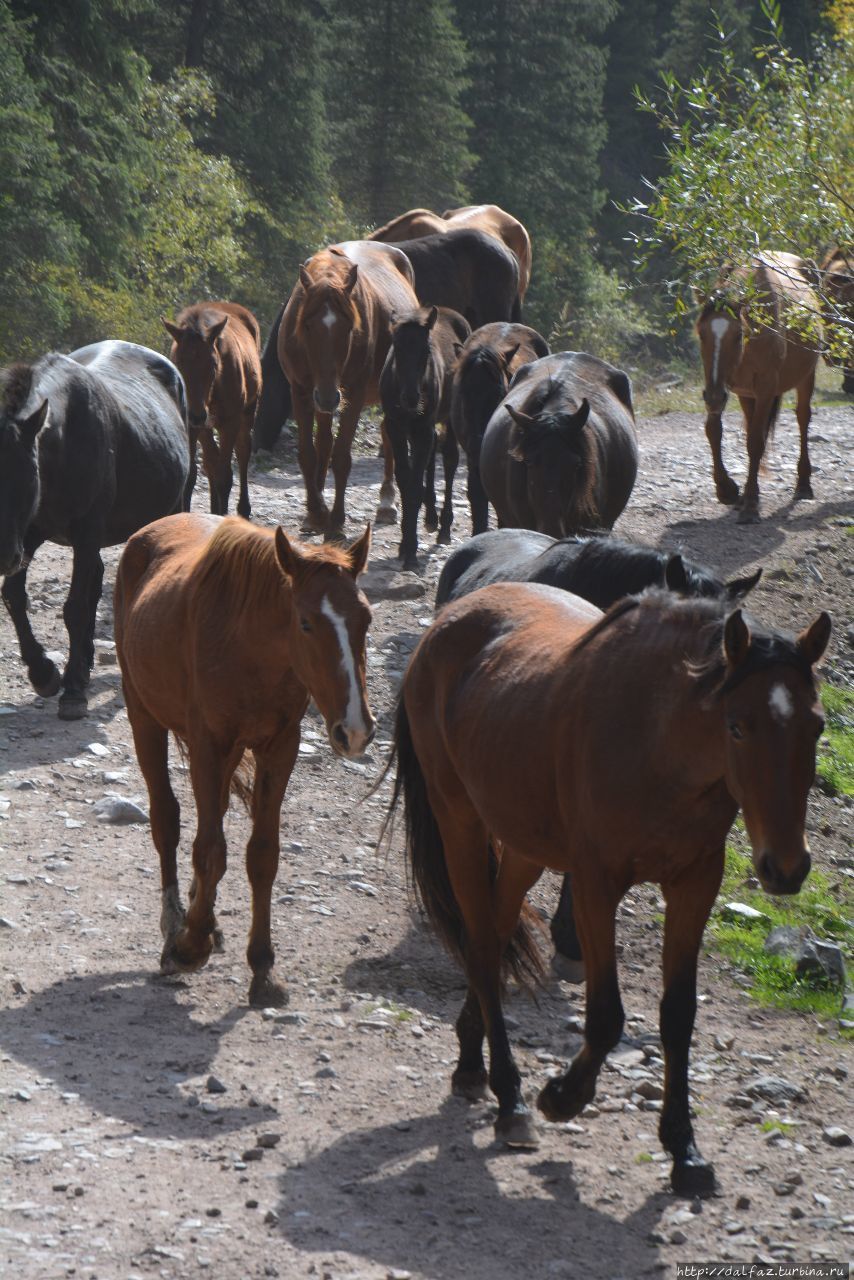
(772, 978)
(835, 763)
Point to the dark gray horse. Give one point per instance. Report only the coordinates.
(92, 447)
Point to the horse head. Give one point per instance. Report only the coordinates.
(328, 319)
(196, 354)
(410, 339)
(772, 722)
(721, 329)
(552, 448)
(20, 425)
(329, 621)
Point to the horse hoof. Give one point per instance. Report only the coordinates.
(692, 1177)
(410, 563)
(471, 1085)
(556, 1105)
(178, 957)
(568, 969)
(48, 682)
(334, 533)
(387, 515)
(749, 514)
(218, 942)
(728, 494)
(72, 706)
(444, 539)
(803, 492)
(265, 993)
(518, 1130)
(315, 522)
(431, 523)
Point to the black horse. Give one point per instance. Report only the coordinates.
(92, 447)
(415, 391)
(560, 453)
(602, 570)
(274, 403)
(484, 371)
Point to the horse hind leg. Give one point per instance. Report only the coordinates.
(243, 450)
(450, 461)
(387, 511)
(151, 741)
(42, 671)
(79, 612)
(803, 412)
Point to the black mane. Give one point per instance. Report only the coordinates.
(17, 385)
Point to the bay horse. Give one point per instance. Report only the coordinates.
(469, 272)
(217, 347)
(333, 340)
(535, 732)
(483, 217)
(602, 570)
(193, 595)
(759, 336)
(92, 446)
(274, 403)
(415, 393)
(837, 303)
(483, 373)
(560, 453)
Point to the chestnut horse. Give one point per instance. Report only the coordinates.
(481, 217)
(764, 342)
(194, 595)
(837, 302)
(333, 340)
(217, 347)
(534, 731)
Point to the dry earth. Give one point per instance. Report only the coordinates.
(133, 1107)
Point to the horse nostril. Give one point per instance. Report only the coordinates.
(340, 736)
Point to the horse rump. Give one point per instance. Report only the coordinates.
(427, 869)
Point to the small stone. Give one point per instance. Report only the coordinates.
(250, 1204)
(649, 1089)
(741, 913)
(268, 1140)
(98, 749)
(678, 1236)
(787, 940)
(835, 1136)
(213, 1212)
(723, 1043)
(118, 811)
(796, 1212)
(253, 1153)
(271, 1217)
(775, 1089)
(215, 1085)
(22, 1095)
(743, 1203)
(79, 1191)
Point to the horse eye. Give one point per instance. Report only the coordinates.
(305, 625)
(736, 730)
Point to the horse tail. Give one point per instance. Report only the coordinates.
(427, 868)
(516, 310)
(772, 417)
(242, 780)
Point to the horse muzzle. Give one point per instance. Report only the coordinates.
(351, 742)
(777, 881)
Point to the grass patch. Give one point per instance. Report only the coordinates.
(772, 978)
(643, 1157)
(835, 760)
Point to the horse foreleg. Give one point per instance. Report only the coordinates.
(428, 487)
(211, 463)
(342, 460)
(272, 771)
(478, 501)
(412, 450)
(689, 901)
(758, 414)
(87, 576)
(228, 432)
(568, 961)
(725, 487)
(211, 771)
(42, 672)
(387, 512)
(192, 474)
(243, 449)
(595, 910)
(151, 741)
(450, 462)
(317, 512)
(803, 412)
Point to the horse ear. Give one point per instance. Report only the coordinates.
(432, 317)
(352, 277)
(579, 418)
(736, 638)
(675, 575)
(174, 330)
(521, 372)
(738, 588)
(359, 552)
(31, 426)
(508, 356)
(215, 330)
(304, 277)
(522, 420)
(288, 556)
(812, 641)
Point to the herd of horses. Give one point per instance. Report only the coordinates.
(533, 730)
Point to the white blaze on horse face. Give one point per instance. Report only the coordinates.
(780, 702)
(329, 317)
(353, 720)
(718, 326)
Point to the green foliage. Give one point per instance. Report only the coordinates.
(772, 978)
(604, 320)
(835, 763)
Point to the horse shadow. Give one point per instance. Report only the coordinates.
(728, 546)
(405, 1192)
(93, 1037)
(41, 738)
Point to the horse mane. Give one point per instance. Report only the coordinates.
(17, 382)
(601, 557)
(240, 574)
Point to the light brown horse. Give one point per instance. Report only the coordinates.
(483, 217)
(217, 347)
(618, 748)
(837, 297)
(333, 340)
(759, 336)
(224, 631)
